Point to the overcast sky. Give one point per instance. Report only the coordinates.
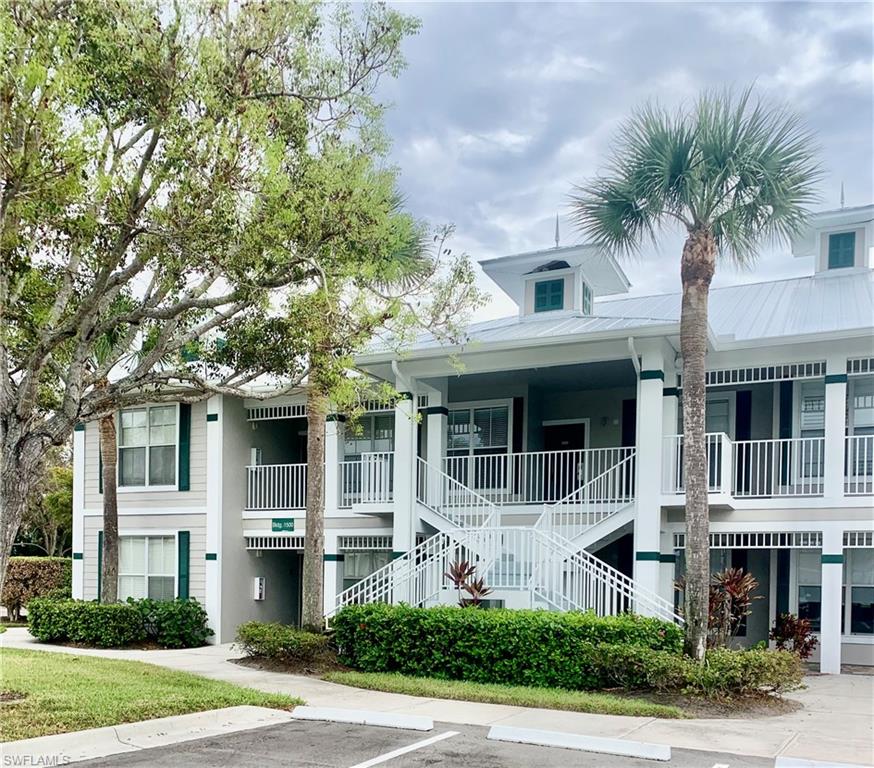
(504, 106)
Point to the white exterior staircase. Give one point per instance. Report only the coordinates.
(545, 561)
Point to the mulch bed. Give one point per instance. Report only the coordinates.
(315, 668)
(739, 707)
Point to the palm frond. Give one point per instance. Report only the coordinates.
(736, 166)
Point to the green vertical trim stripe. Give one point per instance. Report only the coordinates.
(652, 374)
(650, 556)
(184, 446)
(836, 378)
(99, 563)
(210, 556)
(182, 574)
(832, 559)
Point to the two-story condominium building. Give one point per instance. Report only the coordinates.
(551, 458)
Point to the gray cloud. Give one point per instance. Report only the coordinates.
(504, 106)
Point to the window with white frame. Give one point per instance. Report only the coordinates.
(862, 405)
(859, 591)
(147, 567)
(147, 445)
(810, 587)
(478, 431)
(373, 432)
(359, 565)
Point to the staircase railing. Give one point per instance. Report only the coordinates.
(447, 497)
(593, 502)
(571, 579)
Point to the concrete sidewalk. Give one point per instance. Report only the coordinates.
(835, 724)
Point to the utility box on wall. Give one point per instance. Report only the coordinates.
(258, 588)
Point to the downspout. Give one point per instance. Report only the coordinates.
(635, 361)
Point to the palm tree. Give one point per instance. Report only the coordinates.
(732, 173)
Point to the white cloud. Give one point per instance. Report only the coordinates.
(561, 67)
(501, 140)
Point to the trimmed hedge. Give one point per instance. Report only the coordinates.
(724, 672)
(281, 642)
(171, 624)
(513, 647)
(31, 577)
(574, 651)
(75, 621)
(174, 623)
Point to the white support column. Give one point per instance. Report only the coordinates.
(333, 565)
(650, 420)
(79, 512)
(835, 426)
(832, 584)
(214, 478)
(404, 489)
(334, 431)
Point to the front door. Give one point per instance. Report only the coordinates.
(561, 470)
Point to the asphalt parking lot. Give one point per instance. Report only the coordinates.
(311, 744)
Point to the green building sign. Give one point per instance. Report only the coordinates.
(282, 524)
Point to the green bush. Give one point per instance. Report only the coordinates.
(174, 623)
(281, 642)
(742, 672)
(537, 648)
(76, 621)
(31, 577)
(574, 651)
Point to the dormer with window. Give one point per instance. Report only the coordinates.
(839, 240)
(557, 279)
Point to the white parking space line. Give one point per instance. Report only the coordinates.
(379, 759)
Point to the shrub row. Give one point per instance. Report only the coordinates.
(574, 651)
(176, 624)
(539, 648)
(281, 642)
(725, 672)
(30, 577)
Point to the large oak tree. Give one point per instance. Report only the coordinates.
(162, 173)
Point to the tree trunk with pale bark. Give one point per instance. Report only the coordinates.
(313, 611)
(698, 267)
(109, 452)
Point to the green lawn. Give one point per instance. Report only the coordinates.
(517, 695)
(65, 693)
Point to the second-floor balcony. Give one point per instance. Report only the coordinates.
(737, 469)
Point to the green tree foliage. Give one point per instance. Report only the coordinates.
(166, 170)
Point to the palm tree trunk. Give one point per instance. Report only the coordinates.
(698, 266)
(313, 612)
(109, 452)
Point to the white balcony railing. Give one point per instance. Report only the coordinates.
(718, 463)
(276, 486)
(782, 467)
(859, 465)
(368, 479)
(534, 477)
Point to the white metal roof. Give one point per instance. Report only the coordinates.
(801, 306)
(779, 310)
